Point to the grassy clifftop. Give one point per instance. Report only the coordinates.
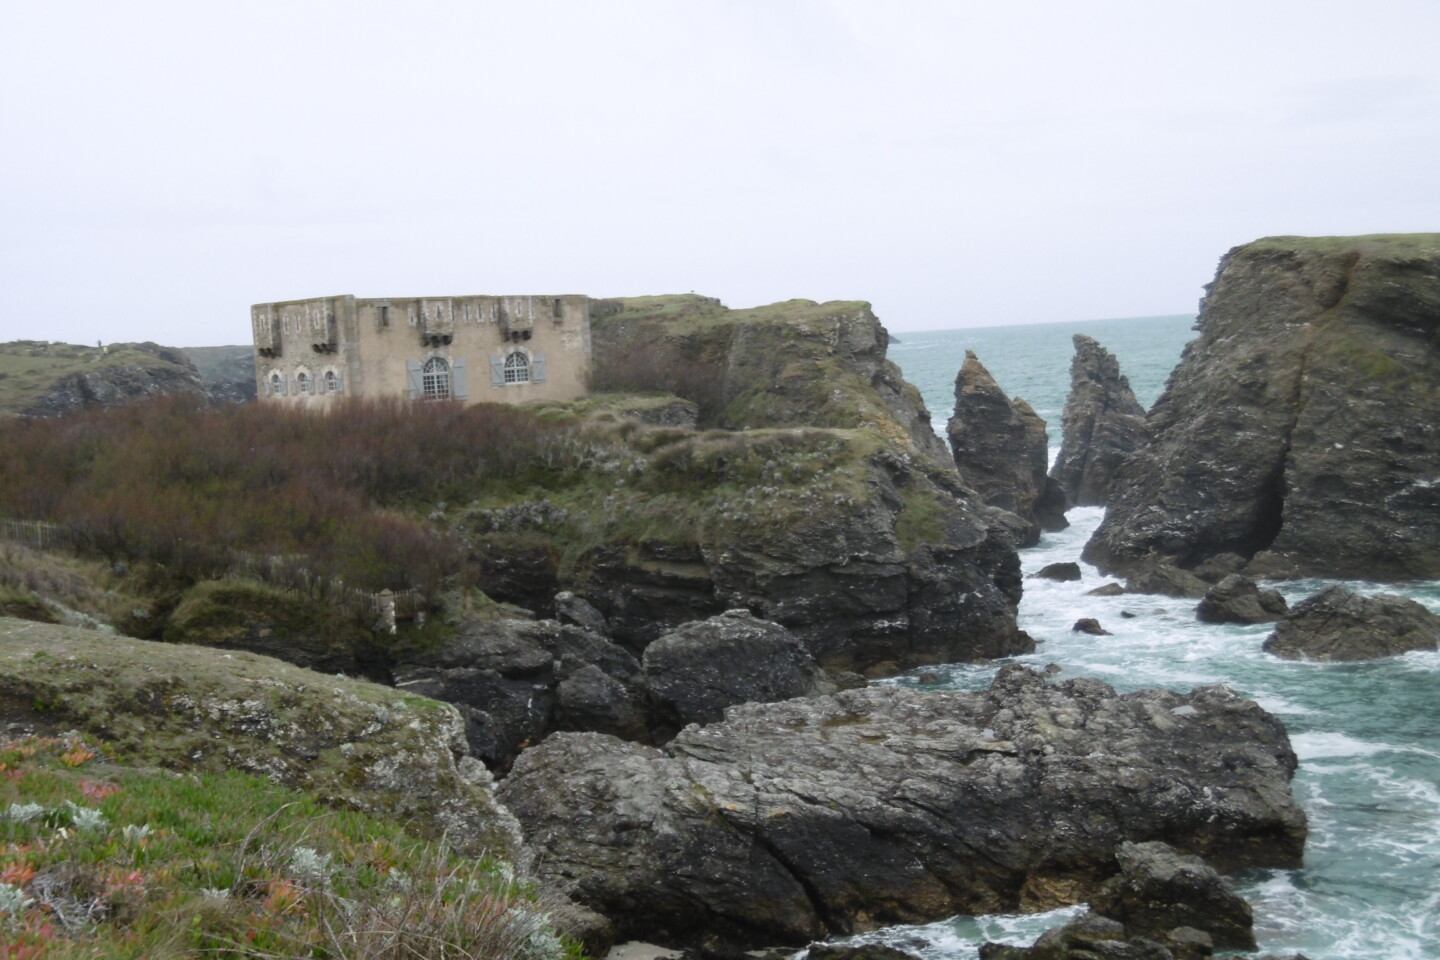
(789, 364)
(32, 369)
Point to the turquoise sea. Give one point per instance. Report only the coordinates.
(1368, 734)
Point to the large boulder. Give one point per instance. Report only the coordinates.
(349, 743)
(1339, 624)
(1300, 428)
(515, 681)
(1101, 425)
(1001, 450)
(701, 668)
(826, 816)
(1158, 890)
(1237, 599)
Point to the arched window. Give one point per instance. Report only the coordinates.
(277, 385)
(517, 368)
(302, 382)
(332, 382)
(435, 379)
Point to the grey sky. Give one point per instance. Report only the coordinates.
(165, 165)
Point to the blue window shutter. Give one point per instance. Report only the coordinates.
(537, 368)
(459, 386)
(285, 385)
(339, 383)
(417, 386)
(320, 384)
(497, 371)
(265, 384)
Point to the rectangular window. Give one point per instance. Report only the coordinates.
(559, 314)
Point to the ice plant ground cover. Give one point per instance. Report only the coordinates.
(104, 862)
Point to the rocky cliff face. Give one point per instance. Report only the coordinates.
(1001, 450)
(227, 372)
(1102, 424)
(796, 363)
(859, 537)
(1300, 429)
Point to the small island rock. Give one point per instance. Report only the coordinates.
(1339, 624)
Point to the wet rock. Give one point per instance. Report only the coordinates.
(999, 446)
(1237, 599)
(1338, 624)
(1167, 581)
(1102, 424)
(1158, 890)
(1091, 626)
(812, 818)
(1299, 428)
(1063, 571)
(1086, 937)
(868, 951)
(1106, 590)
(703, 667)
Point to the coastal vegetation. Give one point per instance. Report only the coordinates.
(102, 860)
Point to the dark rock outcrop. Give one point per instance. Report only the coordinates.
(1102, 424)
(1339, 624)
(792, 821)
(1091, 626)
(1299, 430)
(703, 667)
(1063, 571)
(1087, 937)
(515, 681)
(1158, 890)
(1237, 599)
(853, 582)
(1000, 449)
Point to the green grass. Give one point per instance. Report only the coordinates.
(1385, 245)
(109, 862)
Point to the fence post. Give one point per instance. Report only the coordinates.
(387, 609)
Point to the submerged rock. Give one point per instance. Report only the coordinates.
(1237, 599)
(1338, 624)
(1000, 448)
(1102, 424)
(1063, 571)
(1300, 429)
(793, 821)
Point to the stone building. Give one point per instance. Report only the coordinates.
(471, 349)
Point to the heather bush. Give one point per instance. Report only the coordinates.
(187, 486)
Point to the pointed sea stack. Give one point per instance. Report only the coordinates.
(1001, 450)
(1102, 424)
(1301, 429)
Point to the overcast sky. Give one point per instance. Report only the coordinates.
(165, 165)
